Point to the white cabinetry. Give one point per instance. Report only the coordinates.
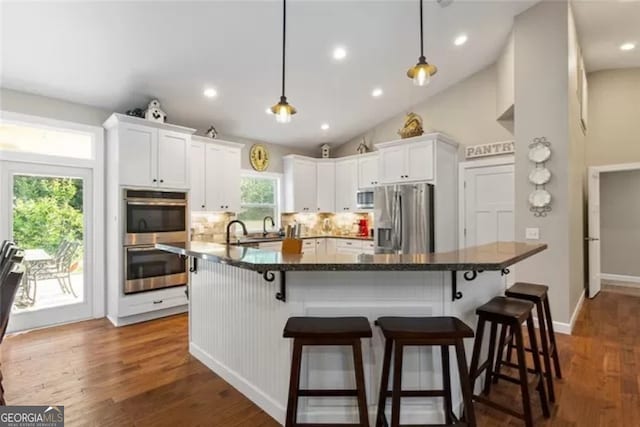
(326, 185)
(309, 246)
(215, 175)
(300, 184)
(368, 170)
(407, 162)
(346, 185)
(150, 154)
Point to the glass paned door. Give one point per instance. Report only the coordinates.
(48, 220)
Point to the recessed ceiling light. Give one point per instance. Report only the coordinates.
(210, 93)
(339, 53)
(324, 126)
(460, 40)
(376, 92)
(627, 46)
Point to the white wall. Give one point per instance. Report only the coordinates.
(620, 222)
(465, 111)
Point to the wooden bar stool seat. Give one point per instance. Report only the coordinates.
(339, 331)
(509, 314)
(400, 332)
(538, 295)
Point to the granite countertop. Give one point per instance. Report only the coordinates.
(493, 256)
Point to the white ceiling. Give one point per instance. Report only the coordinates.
(602, 27)
(117, 55)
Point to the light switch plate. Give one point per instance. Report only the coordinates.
(532, 233)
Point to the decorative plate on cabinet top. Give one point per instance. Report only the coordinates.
(539, 153)
(259, 157)
(539, 176)
(539, 198)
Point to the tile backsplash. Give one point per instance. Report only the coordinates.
(211, 227)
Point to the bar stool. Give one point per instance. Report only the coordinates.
(400, 332)
(537, 294)
(509, 313)
(343, 331)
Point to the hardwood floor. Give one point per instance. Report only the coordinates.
(143, 375)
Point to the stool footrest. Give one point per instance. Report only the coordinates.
(499, 407)
(326, 425)
(480, 370)
(418, 393)
(515, 365)
(327, 393)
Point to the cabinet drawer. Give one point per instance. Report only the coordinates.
(349, 243)
(135, 305)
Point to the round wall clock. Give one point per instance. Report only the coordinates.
(259, 157)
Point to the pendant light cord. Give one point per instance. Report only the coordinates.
(421, 33)
(284, 38)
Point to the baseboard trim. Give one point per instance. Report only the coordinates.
(630, 281)
(152, 315)
(240, 383)
(562, 327)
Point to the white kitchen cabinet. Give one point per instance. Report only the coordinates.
(309, 246)
(321, 246)
(346, 185)
(368, 171)
(150, 154)
(348, 246)
(413, 159)
(326, 185)
(300, 184)
(215, 176)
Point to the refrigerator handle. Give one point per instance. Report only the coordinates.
(400, 221)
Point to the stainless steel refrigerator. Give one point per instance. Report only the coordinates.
(404, 219)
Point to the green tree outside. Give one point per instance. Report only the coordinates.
(47, 211)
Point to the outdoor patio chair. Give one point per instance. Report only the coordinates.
(59, 267)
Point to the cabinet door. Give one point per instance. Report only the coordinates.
(198, 178)
(346, 185)
(309, 246)
(367, 172)
(304, 186)
(419, 160)
(231, 183)
(173, 159)
(321, 246)
(326, 180)
(392, 164)
(138, 155)
(214, 177)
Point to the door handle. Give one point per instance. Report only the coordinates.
(591, 239)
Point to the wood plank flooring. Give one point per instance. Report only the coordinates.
(143, 375)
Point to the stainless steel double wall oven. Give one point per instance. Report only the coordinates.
(153, 217)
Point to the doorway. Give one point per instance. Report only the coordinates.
(614, 227)
(46, 208)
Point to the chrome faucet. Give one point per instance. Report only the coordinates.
(236, 221)
(264, 224)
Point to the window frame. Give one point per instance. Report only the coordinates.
(277, 177)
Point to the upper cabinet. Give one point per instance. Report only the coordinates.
(300, 184)
(215, 175)
(149, 154)
(347, 184)
(326, 185)
(413, 159)
(368, 170)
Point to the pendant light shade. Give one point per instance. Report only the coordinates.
(283, 110)
(421, 72)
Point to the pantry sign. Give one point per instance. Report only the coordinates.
(492, 149)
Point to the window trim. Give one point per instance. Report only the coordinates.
(278, 177)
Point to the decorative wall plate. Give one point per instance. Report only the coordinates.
(539, 176)
(539, 198)
(539, 153)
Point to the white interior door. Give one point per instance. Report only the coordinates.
(594, 232)
(488, 205)
(47, 211)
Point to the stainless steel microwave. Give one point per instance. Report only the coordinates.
(364, 199)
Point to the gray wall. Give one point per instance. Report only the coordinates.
(620, 222)
(465, 111)
(614, 117)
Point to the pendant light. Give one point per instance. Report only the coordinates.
(283, 110)
(421, 72)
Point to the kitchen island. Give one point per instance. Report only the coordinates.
(240, 299)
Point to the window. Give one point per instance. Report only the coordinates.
(259, 195)
(41, 140)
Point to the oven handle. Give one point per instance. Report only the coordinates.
(141, 249)
(157, 202)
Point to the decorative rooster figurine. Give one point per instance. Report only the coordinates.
(412, 126)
